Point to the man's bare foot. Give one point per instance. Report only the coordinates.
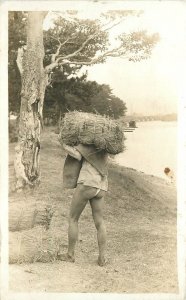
(101, 261)
(66, 257)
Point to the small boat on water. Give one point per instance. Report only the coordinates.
(132, 124)
(128, 129)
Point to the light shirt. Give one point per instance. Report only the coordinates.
(89, 176)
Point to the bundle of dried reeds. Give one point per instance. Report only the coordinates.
(86, 128)
(27, 215)
(36, 244)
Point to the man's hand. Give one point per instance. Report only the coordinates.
(72, 152)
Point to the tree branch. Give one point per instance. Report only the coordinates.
(116, 52)
(53, 57)
(113, 25)
(50, 67)
(57, 39)
(61, 61)
(111, 53)
(86, 41)
(81, 48)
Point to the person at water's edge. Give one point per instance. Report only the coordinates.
(86, 168)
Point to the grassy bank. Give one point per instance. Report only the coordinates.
(140, 216)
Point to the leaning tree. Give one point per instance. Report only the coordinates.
(34, 81)
(69, 45)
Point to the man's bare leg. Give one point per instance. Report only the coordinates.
(97, 213)
(81, 196)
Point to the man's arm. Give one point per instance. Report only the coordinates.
(72, 152)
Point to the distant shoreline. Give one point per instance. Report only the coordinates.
(122, 168)
(146, 118)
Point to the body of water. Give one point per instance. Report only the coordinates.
(150, 148)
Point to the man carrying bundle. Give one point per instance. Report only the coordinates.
(92, 184)
(88, 140)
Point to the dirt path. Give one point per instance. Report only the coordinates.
(140, 216)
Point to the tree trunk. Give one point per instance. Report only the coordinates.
(34, 81)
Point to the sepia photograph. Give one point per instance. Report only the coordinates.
(95, 179)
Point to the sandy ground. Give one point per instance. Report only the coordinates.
(140, 216)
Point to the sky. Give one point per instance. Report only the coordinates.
(152, 86)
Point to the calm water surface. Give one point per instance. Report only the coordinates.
(151, 147)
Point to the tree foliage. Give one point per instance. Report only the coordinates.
(72, 43)
(79, 94)
(86, 42)
(80, 39)
(138, 45)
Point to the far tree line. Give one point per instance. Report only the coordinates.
(79, 94)
(76, 93)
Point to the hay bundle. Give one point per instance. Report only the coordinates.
(24, 215)
(33, 245)
(87, 128)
